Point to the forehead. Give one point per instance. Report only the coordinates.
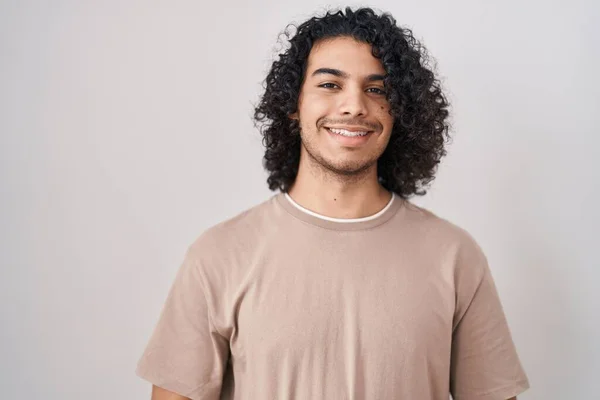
(345, 54)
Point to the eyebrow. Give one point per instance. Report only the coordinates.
(342, 74)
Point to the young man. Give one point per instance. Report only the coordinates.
(339, 287)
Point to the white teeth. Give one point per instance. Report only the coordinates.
(344, 132)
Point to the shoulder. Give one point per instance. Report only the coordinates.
(428, 223)
(439, 235)
(236, 234)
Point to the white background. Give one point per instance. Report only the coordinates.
(126, 132)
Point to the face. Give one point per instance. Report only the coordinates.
(342, 108)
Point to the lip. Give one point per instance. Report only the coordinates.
(350, 141)
(350, 128)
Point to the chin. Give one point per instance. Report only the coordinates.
(350, 167)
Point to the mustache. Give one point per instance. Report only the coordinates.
(352, 121)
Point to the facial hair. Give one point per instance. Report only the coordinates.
(343, 171)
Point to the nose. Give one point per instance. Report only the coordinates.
(353, 103)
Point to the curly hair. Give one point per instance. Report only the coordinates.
(417, 104)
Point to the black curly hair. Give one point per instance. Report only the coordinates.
(419, 107)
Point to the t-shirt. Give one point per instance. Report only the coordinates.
(280, 303)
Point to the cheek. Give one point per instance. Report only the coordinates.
(313, 108)
(316, 103)
(383, 114)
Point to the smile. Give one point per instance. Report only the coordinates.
(351, 137)
(348, 133)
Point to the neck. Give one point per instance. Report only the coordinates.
(339, 196)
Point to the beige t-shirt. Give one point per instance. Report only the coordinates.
(280, 303)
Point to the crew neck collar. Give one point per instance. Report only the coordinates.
(341, 224)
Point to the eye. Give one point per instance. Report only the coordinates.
(376, 90)
(328, 85)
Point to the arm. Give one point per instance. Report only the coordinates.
(484, 360)
(159, 393)
(185, 357)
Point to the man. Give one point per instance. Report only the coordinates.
(339, 287)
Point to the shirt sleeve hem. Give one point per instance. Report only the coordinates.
(504, 393)
(151, 378)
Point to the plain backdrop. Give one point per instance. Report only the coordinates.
(126, 131)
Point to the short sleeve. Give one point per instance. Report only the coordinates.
(185, 354)
(484, 360)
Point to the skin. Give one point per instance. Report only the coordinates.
(334, 179)
(341, 88)
(162, 394)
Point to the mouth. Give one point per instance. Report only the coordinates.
(349, 131)
(349, 137)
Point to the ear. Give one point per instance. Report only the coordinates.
(293, 116)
